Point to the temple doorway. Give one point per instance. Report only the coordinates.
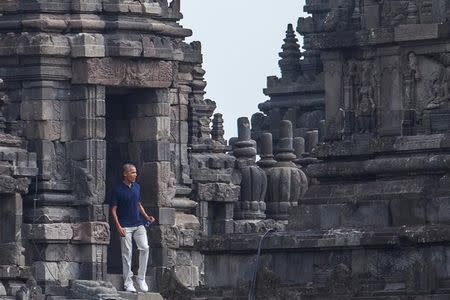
(131, 137)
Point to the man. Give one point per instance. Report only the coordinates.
(127, 212)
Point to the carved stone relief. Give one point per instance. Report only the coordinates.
(361, 93)
(116, 72)
(427, 81)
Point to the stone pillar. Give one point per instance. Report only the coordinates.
(88, 156)
(266, 146)
(252, 179)
(333, 72)
(71, 180)
(217, 131)
(311, 140)
(299, 147)
(287, 183)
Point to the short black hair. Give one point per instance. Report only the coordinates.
(126, 167)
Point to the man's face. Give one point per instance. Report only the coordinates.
(130, 175)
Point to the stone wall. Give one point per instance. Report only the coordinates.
(92, 85)
(17, 170)
(372, 222)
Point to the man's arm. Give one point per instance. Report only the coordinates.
(144, 214)
(116, 221)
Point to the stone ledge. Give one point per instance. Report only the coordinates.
(91, 6)
(399, 164)
(379, 145)
(81, 233)
(92, 23)
(140, 296)
(331, 239)
(414, 32)
(9, 271)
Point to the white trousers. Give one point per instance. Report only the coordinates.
(139, 234)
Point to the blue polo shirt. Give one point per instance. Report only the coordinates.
(127, 200)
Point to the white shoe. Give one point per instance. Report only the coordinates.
(130, 288)
(142, 284)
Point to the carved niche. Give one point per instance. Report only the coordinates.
(361, 95)
(426, 81)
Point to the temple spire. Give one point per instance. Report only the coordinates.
(290, 56)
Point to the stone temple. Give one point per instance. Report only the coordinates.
(350, 196)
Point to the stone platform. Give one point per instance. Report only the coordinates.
(396, 262)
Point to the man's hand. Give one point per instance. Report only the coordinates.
(150, 218)
(121, 231)
(144, 214)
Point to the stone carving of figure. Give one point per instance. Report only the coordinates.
(412, 76)
(440, 88)
(204, 129)
(365, 110)
(413, 65)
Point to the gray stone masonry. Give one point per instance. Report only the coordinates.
(369, 109)
(363, 110)
(92, 85)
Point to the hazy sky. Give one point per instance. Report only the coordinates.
(241, 40)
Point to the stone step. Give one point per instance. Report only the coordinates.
(140, 296)
(61, 298)
(117, 282)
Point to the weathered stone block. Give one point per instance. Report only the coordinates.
(87, 5)
(47, 90)
(189, 276)
(88, 92)
(166, 216)
(407, 211)
(220, 192)
(43, 130)
(163, 257)
(99, 213)
(91, 233)
(188, 237)
(2, 290)
(62, 271)
(90, 128)
(179, 112)
(157, 186)
(408, 32)
(45, 150)
(88, 149)
(87, 44)
(165, 236)
(43, 44)
(187, 221)
(53, 214)
(9, 185)
(11, 253)
(438, 210)
(179, 132)
(150, 151)
(58, 252)
(150, 128)
(121, 46)
(55, 231)
(92, 253)
(88, 108)
(150, 110)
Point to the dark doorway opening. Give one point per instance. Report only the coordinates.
(129, 136)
